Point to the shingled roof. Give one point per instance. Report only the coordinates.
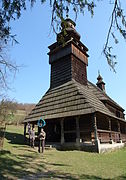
(70, 99)
(102, 96)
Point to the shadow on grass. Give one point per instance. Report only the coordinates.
(58, 164)
(67, 176)
(18, 139)
(17, 166)
(2, 152)
(15, 138)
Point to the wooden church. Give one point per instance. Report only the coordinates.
(78, 114)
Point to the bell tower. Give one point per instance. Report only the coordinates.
(100, 83)
(68, 57)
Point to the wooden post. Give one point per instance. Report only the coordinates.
(39, 130)
(62, 130)
(33, 125)
(77, 130)
(95, 128)
(110, 134)
(119, 131)
(97, 143)
(25, 125)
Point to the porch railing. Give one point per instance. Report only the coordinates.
(105, 136)
(123, 137)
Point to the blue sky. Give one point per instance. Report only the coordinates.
(33, 34)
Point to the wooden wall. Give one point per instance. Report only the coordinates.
(86, 128)
(102, 122)
(61, 71)
(53, 130)
(70, 129)
(110, 129)
(67, 68)
(79, 71)
(117, 112)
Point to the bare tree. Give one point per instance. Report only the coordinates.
(7, 68)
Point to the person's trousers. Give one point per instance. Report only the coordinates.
(41, 144)
(32, 142)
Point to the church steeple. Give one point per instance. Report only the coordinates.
(68, 56)
(68, 31)
(100, 83)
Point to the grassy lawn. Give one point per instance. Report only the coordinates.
(19, 161)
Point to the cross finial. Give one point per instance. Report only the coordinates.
(98, 72)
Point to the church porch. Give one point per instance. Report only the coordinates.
(94, 132)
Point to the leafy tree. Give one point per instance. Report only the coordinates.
(7, 110)
(12, 9)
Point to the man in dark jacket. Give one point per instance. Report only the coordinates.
(41, 138)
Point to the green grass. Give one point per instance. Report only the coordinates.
(20, 161)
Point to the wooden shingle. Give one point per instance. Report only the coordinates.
(69, 99)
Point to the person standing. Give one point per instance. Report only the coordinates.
(29, 131)
(32, 137)
(41, 137)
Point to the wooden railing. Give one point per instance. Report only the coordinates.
(115, 136)
(105, 136)
(123, 137)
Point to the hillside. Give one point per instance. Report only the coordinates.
(13, 112)
(22, 110)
